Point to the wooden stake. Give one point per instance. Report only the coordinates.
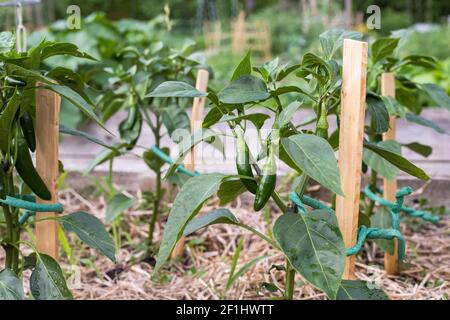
(351, 143)
(390, 186)
(47, 136)
(196, 124)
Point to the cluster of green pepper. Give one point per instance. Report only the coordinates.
(264, 186)
(130, 128)
(26, 140)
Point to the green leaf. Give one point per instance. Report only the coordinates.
(359, 290)
(284, 72)
(268, 69)
(317, 67)
(420, 61)
(6, 121)
(314, 246)
(7, 41)
(287, 114)
(234, 262)
(411, 117)
(10, 285)
(379, 164)
(187, 204)
(397, 160)
(315, 157)
(178, 179)
(59, 48)
(244, 90)
(332, 40)
(289, 89)
(212, 117)
(153, 161)
(382, 48)
(118, 204)
(102, 157)
(186, 144)
(229, 190)
(175, 89)
(382, 219)
(394, 107)
(70, 79)
(244, 67)
(257, 119)
(379, 113)
(91, 231)
(437, 94)
(47, 280)
(242, 270)
(77, 101)
(221, 215)
(419, 148)
(77, 133)
(175, 117)
(26, 73)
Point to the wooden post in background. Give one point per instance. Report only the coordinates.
(196, 124)
(390, 186)
(238, 40)
(47, 138)
(351, 136)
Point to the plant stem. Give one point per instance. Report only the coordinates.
(9, 229)
(12, 228)
(260, 235)
(279, 202)
(373, 187)
(158, 192)
(290, 271)
(290, 281)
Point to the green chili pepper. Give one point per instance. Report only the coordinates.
(15, 82)
(243, 162)
(268, 181)
(322, 123)
(26, 123)
(130, 128)
(27, 171)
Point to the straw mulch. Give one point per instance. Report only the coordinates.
(202, 273)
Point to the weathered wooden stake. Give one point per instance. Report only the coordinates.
(196, 124)
(47, 131)
(390, 186)
(351, 143)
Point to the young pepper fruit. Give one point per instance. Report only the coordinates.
(268, 180)
(26, 123)
(25, 169)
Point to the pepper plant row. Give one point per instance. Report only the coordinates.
(312, 243)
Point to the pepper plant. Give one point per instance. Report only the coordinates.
(138, 72)
(19, 180)
(406, 105)
(311, 243)
(102, 38)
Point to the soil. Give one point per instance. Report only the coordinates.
(202, 272)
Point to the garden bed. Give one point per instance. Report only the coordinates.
(203, 271)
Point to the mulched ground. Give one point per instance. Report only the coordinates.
(202, 273)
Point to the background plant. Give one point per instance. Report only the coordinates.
(137, 72)
(309, 153)
(19, 74)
